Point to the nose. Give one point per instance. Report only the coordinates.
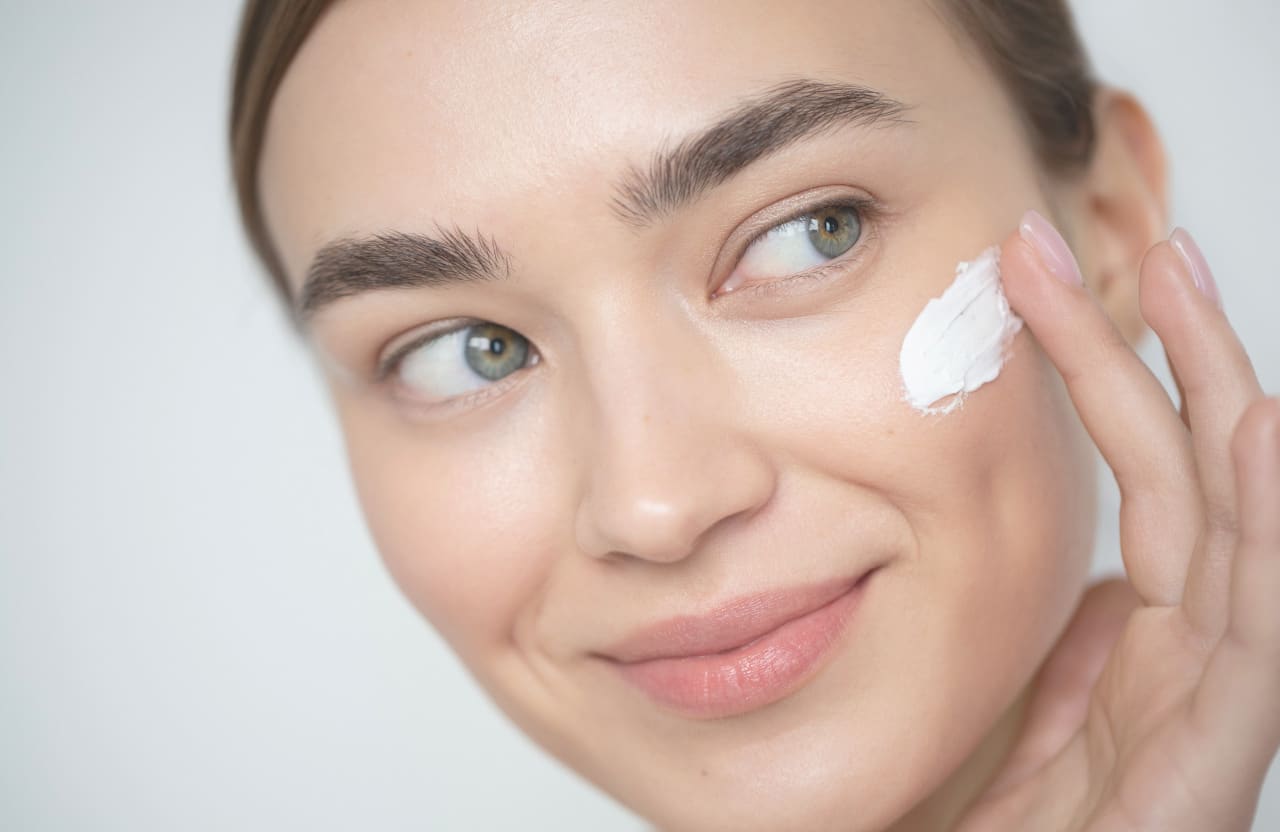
(665, 460)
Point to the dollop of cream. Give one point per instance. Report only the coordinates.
(961, 340)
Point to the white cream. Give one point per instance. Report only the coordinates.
(961, 339)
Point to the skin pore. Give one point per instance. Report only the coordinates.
(673, 445)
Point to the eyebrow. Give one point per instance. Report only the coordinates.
(675, 176)
(758, 127)
(398, 260)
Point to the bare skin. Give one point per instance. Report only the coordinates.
(1172, 725)
(672, 445)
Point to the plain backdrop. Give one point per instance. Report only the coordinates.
(195, 631)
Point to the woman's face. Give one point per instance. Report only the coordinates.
(649, 423)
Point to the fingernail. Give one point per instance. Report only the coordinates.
(1201, 274)
(1053, 250)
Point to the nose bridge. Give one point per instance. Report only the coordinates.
(665, 461)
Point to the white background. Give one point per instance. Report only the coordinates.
(195, 632)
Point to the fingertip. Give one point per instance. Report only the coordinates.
(1179, 258)
(1034, 258)
(1196, 264)
(1032, 286)
(1162, 280)
(1050, 248)
(1019, 263)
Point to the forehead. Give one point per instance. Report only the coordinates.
(399, 114)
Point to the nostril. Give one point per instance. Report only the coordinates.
(661, 468)
(642, 528)
(618, 520)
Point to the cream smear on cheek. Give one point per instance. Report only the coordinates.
(961, 339)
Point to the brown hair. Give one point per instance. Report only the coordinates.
(1032, 45)
(271, 32)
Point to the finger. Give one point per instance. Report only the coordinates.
(1217, 382)
(1122, 405)
(1234, 710)
(1182, 393)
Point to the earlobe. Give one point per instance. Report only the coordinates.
(1124, 199)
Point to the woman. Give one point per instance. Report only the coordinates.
(616, 304)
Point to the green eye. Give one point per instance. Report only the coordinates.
(808, 241)
(494, 351)
(462, 360)
(833, 231)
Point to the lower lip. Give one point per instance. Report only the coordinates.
(751, 676)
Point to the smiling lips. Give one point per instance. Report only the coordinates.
(742, 656)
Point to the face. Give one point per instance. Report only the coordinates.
(610, 298)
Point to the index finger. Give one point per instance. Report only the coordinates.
(1122, 405)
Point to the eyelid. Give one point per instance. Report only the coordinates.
(870, 210)
(419, 409)
(865, 206)
(388, 365)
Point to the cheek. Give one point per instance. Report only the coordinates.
(457, 519)
(1006, 479)
(1005, 518)
(998, 496)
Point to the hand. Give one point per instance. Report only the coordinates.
(1160, 707)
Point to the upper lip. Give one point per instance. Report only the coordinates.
(730, 625)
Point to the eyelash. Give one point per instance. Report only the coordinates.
(868, 211)
(866, 208)
(391, 363)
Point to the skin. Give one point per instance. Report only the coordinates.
(675, 447)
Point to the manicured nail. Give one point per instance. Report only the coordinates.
(1201, 274)
(1053, 250)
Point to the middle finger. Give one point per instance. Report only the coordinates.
(1180, 301)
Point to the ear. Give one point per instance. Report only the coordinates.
(1120, 206)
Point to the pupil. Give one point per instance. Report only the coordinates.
(494, 351)
(834, 231)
